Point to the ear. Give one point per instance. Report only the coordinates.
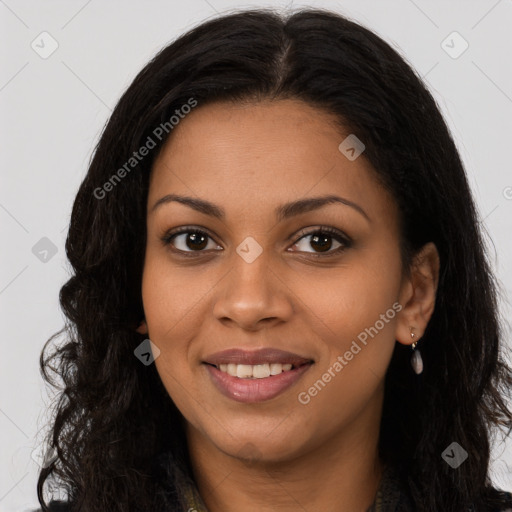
(143, 327)
(418, 295)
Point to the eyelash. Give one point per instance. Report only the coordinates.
(322, 230)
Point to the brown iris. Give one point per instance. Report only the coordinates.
(324, 242)
(196, 240)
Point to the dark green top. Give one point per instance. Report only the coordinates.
(390, 497)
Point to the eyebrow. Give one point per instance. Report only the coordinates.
(282, 212)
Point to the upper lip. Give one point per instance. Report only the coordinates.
(253, 357)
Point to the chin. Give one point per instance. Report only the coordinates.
(262, 447)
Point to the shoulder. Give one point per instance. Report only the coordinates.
(57, 506)
(60, 506)
(506, 498)
(499, 501)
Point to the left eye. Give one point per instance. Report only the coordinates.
(321, 239)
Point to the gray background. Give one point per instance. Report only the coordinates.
(52, 111)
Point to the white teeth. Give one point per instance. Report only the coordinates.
(261, 371)
(257, 371)
(244, 371)
(276, 368)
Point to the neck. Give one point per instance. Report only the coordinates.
(342, 474)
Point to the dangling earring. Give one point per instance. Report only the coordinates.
(416, 360)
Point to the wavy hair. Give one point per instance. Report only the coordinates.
(113, 417)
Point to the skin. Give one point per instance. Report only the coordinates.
(248, 159)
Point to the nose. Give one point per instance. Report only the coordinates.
(252, 296)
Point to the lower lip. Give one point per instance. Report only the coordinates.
(255, 390)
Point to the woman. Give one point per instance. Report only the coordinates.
(281, 298)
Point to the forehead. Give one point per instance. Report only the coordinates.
(268, 152)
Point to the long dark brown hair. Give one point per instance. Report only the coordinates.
(114, 419)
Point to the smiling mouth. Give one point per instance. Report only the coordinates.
(251, 376)
(254, 383)
(257, 371)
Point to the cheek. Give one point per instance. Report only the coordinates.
(346, 301)
(355, 309)
(172, 297)
(173, 300)
(350, 374)
(160, 289)
(165, 308)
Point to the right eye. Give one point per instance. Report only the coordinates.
(188, 240)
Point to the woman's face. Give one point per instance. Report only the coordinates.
(261, 276)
